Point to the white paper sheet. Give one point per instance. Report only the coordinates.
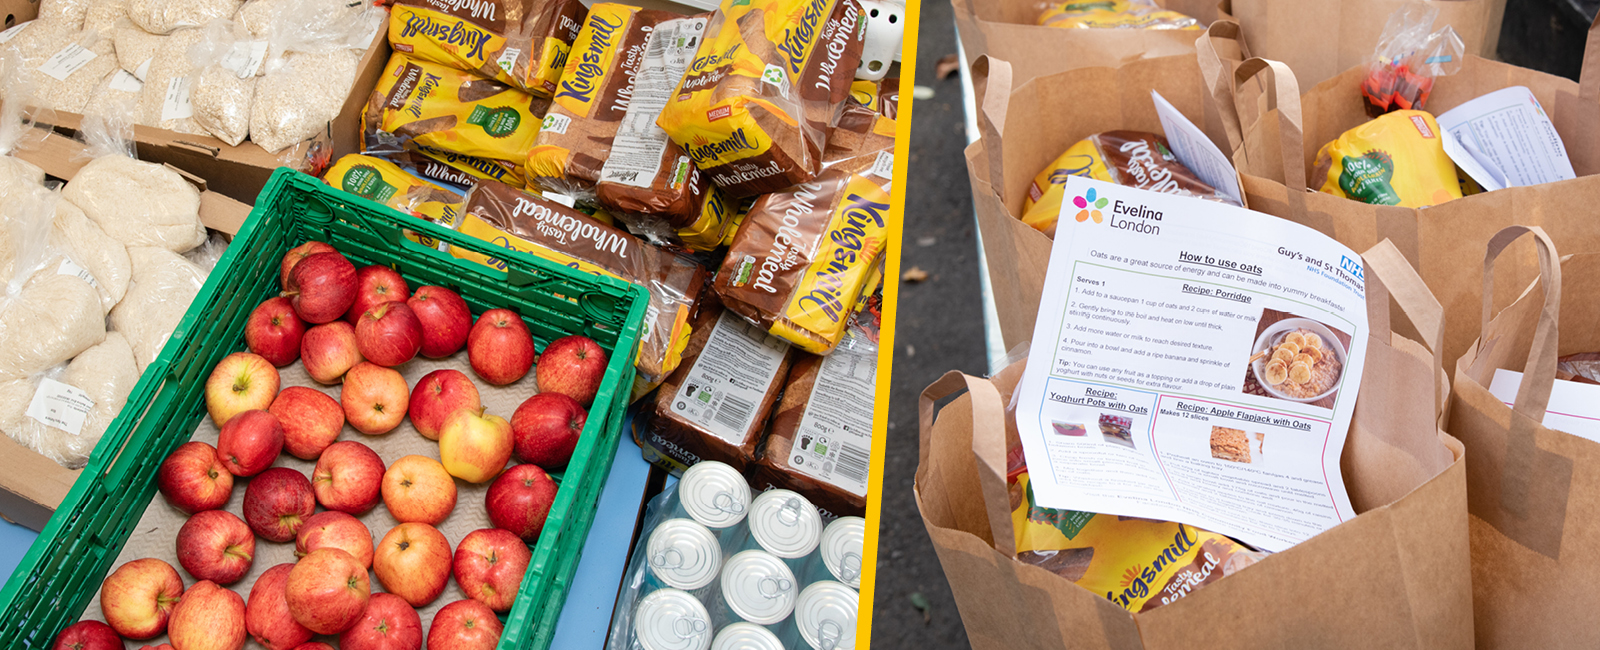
(1505, 139)
(1153, 306)
(1574, 406)
(1196, 151)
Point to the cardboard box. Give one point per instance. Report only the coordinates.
(235, 171)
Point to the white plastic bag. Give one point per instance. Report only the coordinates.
(226, 62)
(63, 412)
(136, 203)
(208, 254)
(16, 174)
(164, 284)
(90, 249)
(46, 316)
(306, 86)
(167, 16)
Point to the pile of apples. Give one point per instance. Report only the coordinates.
(354, 326)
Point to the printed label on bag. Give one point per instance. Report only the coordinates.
(69, 267)
(561, 198)
(555, 123)
(834, 441)
(69, 60)
(125, 81)
(12, 33)
(725, 387)
(176, 106)
(883, 167)
(508, 58)
(636, 151)
(60, 405)
(244, 59)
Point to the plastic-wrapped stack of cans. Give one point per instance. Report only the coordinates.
(719, 570)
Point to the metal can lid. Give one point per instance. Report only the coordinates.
(669, 619)
(683, 554)
(825, 613)
(714, 494)
(759, 587)
(785, 524)
(842, 549)
(746, 636)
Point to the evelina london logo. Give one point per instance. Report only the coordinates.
(1089, 206)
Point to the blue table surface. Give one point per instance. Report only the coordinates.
(587, 614)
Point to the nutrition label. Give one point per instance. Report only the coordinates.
(730, 378)
(636, 152)
(833, 443)
(1193, 362)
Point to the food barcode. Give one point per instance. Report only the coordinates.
(853, 462)
(734, 412)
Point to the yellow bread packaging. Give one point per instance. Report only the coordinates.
(1396, 159)
(520, 43)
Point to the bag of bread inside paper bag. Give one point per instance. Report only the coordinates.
(1138, 564)
(388, 183)
(1133, 158)
(765, 87)
(802, 257)
(519, 221)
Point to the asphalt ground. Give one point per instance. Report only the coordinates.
(940, 321)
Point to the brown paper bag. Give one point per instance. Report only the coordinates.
(1396, 576)
(1281, 130)
(1008, 30)
(1321, 39)
(1534, 492)
(1026, 125)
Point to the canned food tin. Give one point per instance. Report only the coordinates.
(841, 549)
(746, 636)
(825, 613)
(670, 619)
(714, 494)
(683, 554)
(758, 587)
(785, 524)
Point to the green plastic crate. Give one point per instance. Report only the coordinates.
(66, 564)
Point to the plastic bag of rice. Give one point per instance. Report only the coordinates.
(166, 16)
(119, 91)
(165, 100)
(67, 12)
(226, 61)
(137, 203)
(103, 15)
(259, 16)
(298, 101)
(62, 63)
(136, 48)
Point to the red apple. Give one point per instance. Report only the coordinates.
(375, 398)
(298, 253)
(413, 562)
(489, 565)
(208, 618)
(274, 331)
(499, 347)
(474, 446)
(216, 545)
(376, 285)
(242, 381)
(348, 477)
(249, 442)
(88, 635)
(164, 646)
(545, 429)
(314, 646)
(464, 625)
(193, 480)
(335, 530)
(519, 501)
(329, 351)
(138, 597)
(389, 334)
(321, 287)
(388, 624)
(328, 591)
(572, 366)
(417, 488)
(437, 395)
(445, 320)
(311, 421)
(277, 502)
(266, 614)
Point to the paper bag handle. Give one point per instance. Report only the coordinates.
(1589, 75)
(988, 447)
(1216, 73)
(1539, 374)
(1394, 276)
(991, 85)
(1283, 93)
